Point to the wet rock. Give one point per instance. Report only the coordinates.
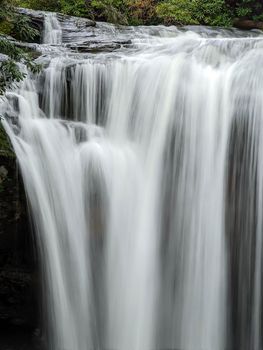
(19, 275)
(3, 57)
(3, 173)
(246, 24)
(79, 22)
(20, 340)
(96, 46)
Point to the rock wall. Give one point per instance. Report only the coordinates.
(19, 275)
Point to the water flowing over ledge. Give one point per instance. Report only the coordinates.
(140, 149)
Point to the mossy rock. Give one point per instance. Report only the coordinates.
(6, 149)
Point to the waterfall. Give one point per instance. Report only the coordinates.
(52, 30)
(143, 171)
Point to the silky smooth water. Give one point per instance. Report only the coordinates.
(52, 30)
(143, 170)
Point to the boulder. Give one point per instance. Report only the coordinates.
(247, 24)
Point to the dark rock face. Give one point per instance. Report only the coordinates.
(247, 24)
(96, 46)
(19, 275)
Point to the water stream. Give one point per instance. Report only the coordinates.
(143, 168)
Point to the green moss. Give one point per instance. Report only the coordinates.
(6, 27)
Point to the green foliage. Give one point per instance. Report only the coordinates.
(243, 12)
(69, 7)
(136, 12)
(142, 12)
(17, 25)
(208, 12)
(256, 9)
(9, 75)
(77, 8)
(45, 5)
(248, 9)
(213, 13)
(22, 29)
(177, 12)
(10, 72)
(114, 11)
(9, 49)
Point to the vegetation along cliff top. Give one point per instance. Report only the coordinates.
(136, 12)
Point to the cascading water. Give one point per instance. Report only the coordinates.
(144, 175)
(52, 30)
